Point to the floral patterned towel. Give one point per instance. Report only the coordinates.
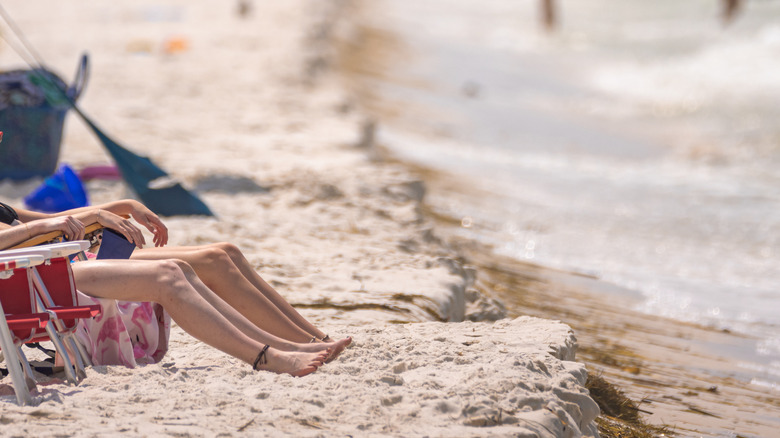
(125, 333)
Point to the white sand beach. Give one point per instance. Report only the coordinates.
(244, 110)
(424, 379)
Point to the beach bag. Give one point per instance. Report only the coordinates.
(32, 115)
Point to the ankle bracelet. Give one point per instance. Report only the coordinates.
(261, 359)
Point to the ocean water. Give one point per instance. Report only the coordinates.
(639, 143)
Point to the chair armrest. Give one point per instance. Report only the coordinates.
(49, 251)
(39, 239)
(90, 231)
(64, 249)
(27, 252)
(21, 261)
(9, 263)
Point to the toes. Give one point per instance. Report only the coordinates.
(321, 356)
(304, 371)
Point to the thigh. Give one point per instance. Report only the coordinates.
(127, 280)
(186, 253)
(204, 259)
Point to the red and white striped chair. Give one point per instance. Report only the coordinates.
(19, 320)
(55, 295)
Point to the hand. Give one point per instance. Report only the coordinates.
(123, 226)
(151, 221)
(71, 227)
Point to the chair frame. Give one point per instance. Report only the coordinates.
(91, 233)
(14, 358)
(28, 255)
(57, 332)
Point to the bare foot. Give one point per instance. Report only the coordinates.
(296, 364)
(336, 347)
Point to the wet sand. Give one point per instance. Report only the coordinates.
(681, 375)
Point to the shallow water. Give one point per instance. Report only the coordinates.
(638, 143)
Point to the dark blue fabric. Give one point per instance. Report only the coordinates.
(114, 246)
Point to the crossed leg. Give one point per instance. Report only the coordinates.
(174, 285)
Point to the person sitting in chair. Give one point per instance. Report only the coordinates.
(211, 291)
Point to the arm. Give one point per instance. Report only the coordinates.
(71, 227)
(120, 208)
(112, 215)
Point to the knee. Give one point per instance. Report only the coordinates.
(172, 276)
(229, 249)
(219, 255)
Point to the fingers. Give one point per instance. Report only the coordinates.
(158, 240)
(72, 228)
(154, 225)
(160, 231)
(151, 222)
(132, 233)
(161, 237)
(122, 226)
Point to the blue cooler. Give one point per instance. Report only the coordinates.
(59, 192)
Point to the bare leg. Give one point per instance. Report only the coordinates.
(225, 270)
(730, 10)
(253, 331)
(548, 14)
(165, 282)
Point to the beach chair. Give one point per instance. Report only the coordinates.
(57, 291)
(55, 294)
(19, 320)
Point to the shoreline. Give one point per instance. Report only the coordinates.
(678, 373)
